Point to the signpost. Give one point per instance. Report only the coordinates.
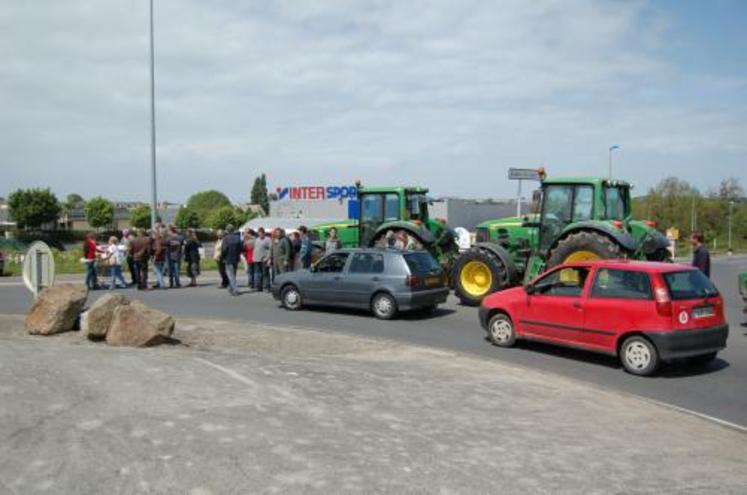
(38, 268)
(521, 174)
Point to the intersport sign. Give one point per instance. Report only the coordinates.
(319, 193)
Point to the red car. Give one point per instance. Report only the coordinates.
(642, 312)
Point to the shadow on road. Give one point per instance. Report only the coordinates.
(676, 369)
(364, 313)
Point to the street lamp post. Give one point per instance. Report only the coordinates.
(731, 205)
(154, 198)
(612, 148)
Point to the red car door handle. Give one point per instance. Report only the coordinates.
(577, 305)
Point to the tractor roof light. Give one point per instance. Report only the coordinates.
(650, 224)
(618, 224)
(541, 172)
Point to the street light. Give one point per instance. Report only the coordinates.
(154, 204)
(612, 148)
(731, 205)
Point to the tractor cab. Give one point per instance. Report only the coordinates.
(569, 201)
(379, 205)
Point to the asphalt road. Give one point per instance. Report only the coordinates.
(718, 389)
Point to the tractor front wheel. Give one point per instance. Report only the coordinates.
(584, 246)
(477, 273)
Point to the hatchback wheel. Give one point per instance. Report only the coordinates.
(501, 331)
(639, 356)
(384, 306)
(291, 298)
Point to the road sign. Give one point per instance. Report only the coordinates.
(38, 268)
(523, 174)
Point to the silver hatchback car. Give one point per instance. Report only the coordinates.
(386, 281)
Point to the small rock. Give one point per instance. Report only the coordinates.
(56, 309)
(97, 320)
(137, 325)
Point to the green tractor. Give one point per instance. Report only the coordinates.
(574, 219)
(385, 211)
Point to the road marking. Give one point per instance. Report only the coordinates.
(700, 415)
(233, 374)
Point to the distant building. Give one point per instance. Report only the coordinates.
(308, 203)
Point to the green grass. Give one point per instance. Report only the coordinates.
(68, 262)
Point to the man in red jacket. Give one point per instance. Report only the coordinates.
(89, 254)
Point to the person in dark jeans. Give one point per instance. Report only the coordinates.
(89, 254)
(192, 256)
(262, 251)
(304, 253)
(218, 257)
(701, 256)
(127, 239)
(174, 250)
(231, 251)
(141, 252)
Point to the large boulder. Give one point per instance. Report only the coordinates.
(137, 325)
(99, 317)
(56, 309)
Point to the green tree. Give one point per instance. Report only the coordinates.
(73, 201)
(140, 217)
(99, 212)
(205, 203)
(226, 215)
(259, 194)
(186, 218)
(33, 207)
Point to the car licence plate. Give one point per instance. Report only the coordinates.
(703, 312)
(432, 281)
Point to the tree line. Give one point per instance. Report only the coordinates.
(674, 202)
(36, 207)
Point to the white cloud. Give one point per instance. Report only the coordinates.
(443, 93)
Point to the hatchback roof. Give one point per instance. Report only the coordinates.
(647, 266)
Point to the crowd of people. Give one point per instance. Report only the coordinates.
(165, 249)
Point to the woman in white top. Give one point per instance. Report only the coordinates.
(115, 256)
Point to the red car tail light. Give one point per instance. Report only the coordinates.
(412, 281)
(663, 302)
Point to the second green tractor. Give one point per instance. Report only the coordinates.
(574, 219)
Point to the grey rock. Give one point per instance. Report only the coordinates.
(137, 325)
(99, 317)
(56, 309)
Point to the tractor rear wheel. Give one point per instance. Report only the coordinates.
(477, 273)
(584, 246)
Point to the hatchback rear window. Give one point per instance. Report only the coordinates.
(422, 263)
(690, 284)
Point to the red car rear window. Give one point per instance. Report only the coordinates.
(689, 284)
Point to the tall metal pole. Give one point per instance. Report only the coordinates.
(612, 148)
(731, 204)
(518, 201)
(154, 204)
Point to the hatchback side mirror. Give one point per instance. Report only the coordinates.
(529, 289)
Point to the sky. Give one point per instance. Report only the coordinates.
(443, 94)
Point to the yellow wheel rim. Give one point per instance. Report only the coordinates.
(581, 256)
(476, 278)
(570, 275)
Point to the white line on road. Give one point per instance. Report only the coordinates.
(233, 374)
(707, 417)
